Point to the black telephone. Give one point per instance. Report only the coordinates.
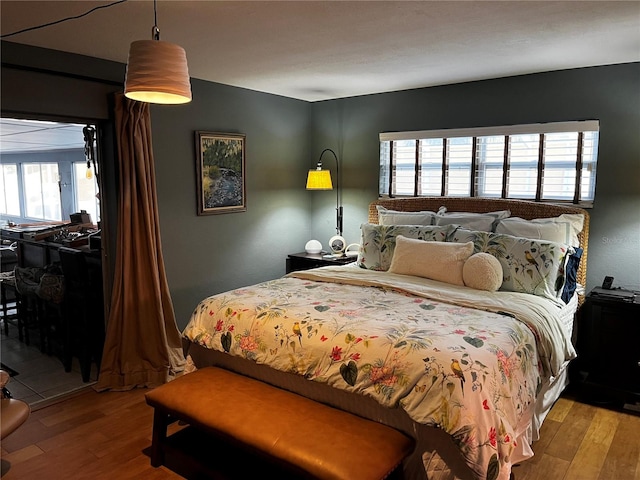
(607, 283)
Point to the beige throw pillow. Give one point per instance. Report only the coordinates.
(434, 260)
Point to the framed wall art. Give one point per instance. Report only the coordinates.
(220, 172)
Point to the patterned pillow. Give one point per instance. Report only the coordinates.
(378, 242)
(529, 266)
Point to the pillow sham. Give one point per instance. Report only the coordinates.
(396, 217)
(482, 271)
(434, 260)
(562, 229)
(537, 267)
(473, 221)
(377, 242)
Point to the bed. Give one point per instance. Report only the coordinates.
(400, 338)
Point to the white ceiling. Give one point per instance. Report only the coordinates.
(316, 50)
(18, 135)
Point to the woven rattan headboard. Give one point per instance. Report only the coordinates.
(518, 208)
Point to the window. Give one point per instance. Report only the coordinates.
(552, 162)
(42, 191)
(43, 174)
(86, 190)
(10, 198)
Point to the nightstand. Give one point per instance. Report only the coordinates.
(608, 363)
(305, 261)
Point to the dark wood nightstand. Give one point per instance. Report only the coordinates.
(608, 363)
(305, 261)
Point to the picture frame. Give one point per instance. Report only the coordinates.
(220, 164)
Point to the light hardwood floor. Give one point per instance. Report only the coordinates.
(104, 435)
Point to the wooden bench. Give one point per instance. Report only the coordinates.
(315, 440)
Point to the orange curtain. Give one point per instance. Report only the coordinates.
(142, 346)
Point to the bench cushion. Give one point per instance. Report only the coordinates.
(322, 441)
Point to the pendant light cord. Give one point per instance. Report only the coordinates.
(29, 29)
(155, 31)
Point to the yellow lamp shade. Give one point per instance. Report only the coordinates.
(157, 72)
(319, 180)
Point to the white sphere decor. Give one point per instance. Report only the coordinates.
(313, 246)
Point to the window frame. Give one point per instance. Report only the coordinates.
(43, 188)
(5, 191)
(95, 210)
(477, 166)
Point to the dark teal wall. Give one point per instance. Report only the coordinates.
(610, 94)
(213, 253)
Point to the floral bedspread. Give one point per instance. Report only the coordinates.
(471, 365)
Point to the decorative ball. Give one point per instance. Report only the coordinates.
(482, 271)
(313, 246)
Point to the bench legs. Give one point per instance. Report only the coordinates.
(161, 421)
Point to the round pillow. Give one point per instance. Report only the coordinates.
(482, 271)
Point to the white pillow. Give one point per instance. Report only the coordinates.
(396, 217)
(562, 229)
(483, 222)
(482, 271)
(440, 261)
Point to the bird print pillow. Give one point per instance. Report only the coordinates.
(537, 267)
(378, 242)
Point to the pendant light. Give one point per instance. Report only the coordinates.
(157, 71)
